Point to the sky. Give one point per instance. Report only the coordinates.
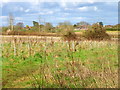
(56, 12)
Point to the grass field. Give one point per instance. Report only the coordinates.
(49, 64)
(113, 34)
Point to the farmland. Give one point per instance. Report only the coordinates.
(59, 44)
(49, 63)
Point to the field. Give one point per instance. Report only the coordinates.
(113, 34)
(43, 63)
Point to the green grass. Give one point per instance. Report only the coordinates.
(55, 65)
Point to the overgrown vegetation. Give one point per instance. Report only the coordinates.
(46, 55)
(113, 28)
(96, 32)
(30, 63)
(68, 33)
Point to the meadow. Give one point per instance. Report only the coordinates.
(34, 63)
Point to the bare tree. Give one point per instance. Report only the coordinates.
(41, 22)
(11, 20)
(19, 25)
(39, 18)
(48, 26)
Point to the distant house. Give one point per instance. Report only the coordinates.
(81, 27)
(108, 26)
(28, 27)
(77, 29)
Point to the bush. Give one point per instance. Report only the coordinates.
(96, 32)
(35, 28)
(4, 29)
(68, 33)
(69, 36)
(112, 29)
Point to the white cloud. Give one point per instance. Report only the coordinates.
(50, 12)
(64, 14)
(1, 5)
(72, 18)
(85, 8)
(75, 3)
(45, 13)
(61, 18)
(16, 8)
(68, 8)
(3, 17)
(95, 8)
(24, 10)
(4, 23)
(27, 10)
(42, 13)
(79, 18)
(91, 1)
(18, 18)
(63, 4)
(36, 1)
(5, 1)
(88, 8)
(4, 20)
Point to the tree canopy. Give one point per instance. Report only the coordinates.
(83, 23)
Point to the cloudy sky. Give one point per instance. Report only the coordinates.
(56, 12)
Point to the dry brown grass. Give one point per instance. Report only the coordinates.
(62, 66)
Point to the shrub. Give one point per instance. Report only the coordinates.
(69, 36)
(96, 32)
(4, 29)
(112, 29)
(68, 33)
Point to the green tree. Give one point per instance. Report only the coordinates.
(27, 27)
(35, 23)
(35, 26)
(82, 23)
(4, 29)
(100, 23)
